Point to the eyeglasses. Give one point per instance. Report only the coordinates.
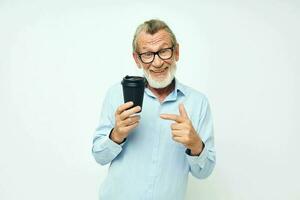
(163, 54)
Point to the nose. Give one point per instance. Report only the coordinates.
(157, 62)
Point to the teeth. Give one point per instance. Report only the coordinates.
(159, 71)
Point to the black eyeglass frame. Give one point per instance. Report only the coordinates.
(157, 53)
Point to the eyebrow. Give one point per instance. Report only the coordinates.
(163, 46)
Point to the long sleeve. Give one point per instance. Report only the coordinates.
(202, 166)
(104, 149)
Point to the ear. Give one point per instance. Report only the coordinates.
(176, 52)
(136, 59)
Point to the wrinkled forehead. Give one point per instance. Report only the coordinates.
(153, 42)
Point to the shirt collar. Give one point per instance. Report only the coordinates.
(179, 87)
(178, 90)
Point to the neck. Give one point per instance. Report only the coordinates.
(162, 93)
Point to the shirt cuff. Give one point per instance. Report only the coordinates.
(197, 160)
(107, 145)
(121, 144)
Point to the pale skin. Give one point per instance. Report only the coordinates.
(125, 121)
(183, 131)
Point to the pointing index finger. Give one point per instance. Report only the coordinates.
(173, 117)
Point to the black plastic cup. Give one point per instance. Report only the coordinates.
(133, 89)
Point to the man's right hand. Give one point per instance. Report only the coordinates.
(125, 122)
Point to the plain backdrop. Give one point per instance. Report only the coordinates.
(59, 57)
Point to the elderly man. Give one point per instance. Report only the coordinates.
(152, 153)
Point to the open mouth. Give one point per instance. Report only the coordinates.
(159, 71)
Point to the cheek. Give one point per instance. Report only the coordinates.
(171, 61)
(143, 66)
(146, 67)
(168, 63)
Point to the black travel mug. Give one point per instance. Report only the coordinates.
(133, 89)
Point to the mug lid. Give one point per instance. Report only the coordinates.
(134, 81)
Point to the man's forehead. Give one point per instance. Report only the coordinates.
(158, 39)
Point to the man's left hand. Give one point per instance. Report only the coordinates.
(184, 132)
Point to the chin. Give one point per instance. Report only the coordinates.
(163, 82)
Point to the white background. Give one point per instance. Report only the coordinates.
(58, 58)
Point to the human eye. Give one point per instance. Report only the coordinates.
(165, 52)
(147, 54)
(162, 51)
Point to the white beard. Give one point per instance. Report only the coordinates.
(164, 83)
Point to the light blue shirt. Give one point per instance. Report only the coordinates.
(150, 165)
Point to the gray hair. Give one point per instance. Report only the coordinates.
(152, 26)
